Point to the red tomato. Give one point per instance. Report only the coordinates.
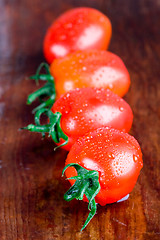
(80, 111)
(115, 155)
(77, 29)
(93, 68)
(86, 109)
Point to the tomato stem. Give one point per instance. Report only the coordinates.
(48, 90)
(87, 183)
(53, 128)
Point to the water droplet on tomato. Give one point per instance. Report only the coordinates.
(85, 104)
(79, 110)
(68, 95)
(135, 158)
(121, 109)
(111, 155)
(84, 68)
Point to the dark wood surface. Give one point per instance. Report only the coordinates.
(31, 186)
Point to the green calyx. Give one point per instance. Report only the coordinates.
(48, 90)
(53, 128)
(87, 183)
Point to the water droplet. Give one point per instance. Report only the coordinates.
(121, 109)
(111, 155)
(135, 158)
(85, 104)
(68, 95)
(79, 111)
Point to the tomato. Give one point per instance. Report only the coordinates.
(77, 29)
(90, 68)
(85, 109)
(116, 158)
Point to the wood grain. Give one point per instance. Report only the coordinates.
(31, 186)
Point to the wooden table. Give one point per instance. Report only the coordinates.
(31, 186)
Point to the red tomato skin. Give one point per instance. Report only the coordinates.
(86, 109)
(115, 155)
(90, 68)
(77, 29)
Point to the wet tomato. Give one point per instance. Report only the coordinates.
(90, 68)
(86, 109)
(82, 110)
(77, 29)
(107, 162)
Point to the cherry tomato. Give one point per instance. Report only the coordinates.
(90, 68)
(82, 110)
(77, 29)
(115, 155)
(108, 163)
(89, 108)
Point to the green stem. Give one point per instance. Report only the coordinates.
(45, 90)
(46, 67)
(48, 90)
(43, 77)
(47, 104)
(87, 183)
(53, 128)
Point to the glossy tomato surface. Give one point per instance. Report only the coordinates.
(77, 29)
(90, 68)
(115, 155)
(86, 109)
